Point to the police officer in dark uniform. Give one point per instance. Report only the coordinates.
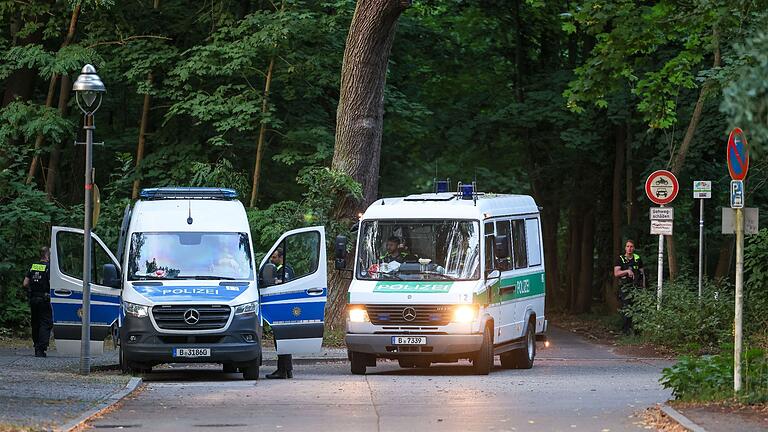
(283, 273)
(630, 271)
(37, 281)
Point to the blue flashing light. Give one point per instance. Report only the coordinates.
(467, 191)
(443, 186)
(187, 193)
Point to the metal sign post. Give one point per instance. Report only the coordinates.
(738, 164)
(661, 187)
(701, 190)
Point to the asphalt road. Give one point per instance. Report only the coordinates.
(574, 386)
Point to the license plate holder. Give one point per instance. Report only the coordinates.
(409, 340)
(191, 352)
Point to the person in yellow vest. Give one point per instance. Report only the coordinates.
(630, 272)
(37, 282)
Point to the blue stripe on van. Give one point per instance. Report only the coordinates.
(265, 299)
(100, 314)
(293, 312)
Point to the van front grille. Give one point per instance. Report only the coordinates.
(423, 315)
(209, 317)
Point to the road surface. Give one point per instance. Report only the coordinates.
(573, 386)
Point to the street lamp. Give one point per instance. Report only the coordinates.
(88, 90)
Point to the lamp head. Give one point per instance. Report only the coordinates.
(89, 85)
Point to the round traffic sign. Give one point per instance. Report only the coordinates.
(738, 154)
(661, 187)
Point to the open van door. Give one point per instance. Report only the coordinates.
(293, 288)
(67, 290)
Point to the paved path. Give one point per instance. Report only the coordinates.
(574, 385)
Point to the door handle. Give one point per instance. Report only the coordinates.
(314, 291)
(62, 292)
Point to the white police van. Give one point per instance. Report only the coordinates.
(445, 276)
(184, 288)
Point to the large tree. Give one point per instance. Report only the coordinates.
(360, 115)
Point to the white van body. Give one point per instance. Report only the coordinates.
(185, 288)
(452, 295)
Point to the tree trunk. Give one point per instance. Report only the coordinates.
(725, 258)
(549, 225)
(620, 141)
(360, 115)
(682, 152)
(573, 265)
(142, 137)
(53, 162)
(584, 293)
(262, 134)
(33, 166)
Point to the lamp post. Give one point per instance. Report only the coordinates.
(88, 90)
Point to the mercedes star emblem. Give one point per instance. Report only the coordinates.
(409, 314)
(191, 316)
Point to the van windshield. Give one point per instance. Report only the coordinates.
(189, 255)
(419, 250)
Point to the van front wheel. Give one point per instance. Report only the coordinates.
(482, 363)
(359, 361)
(251, 372)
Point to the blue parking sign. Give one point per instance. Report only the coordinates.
(737, 194)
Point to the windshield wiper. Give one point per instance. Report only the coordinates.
(204, 277)
(388, 275)
(444, 276)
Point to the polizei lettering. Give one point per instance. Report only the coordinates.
(180, 291)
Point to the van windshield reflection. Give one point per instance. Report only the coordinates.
(190, 255)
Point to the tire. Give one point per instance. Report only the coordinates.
(522, 358)
(406, 363)
(482, 363)
(229, 368)
(358, 362)
(124, 369)
(251, 372)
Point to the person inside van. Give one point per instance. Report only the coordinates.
(397, 251)
(283, 272)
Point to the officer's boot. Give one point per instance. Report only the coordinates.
(39, 352)
(284, 368)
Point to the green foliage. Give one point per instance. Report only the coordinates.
(710, 378)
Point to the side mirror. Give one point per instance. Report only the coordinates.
(340, 252)
(501, 246)
(494, 274)
(110, 276)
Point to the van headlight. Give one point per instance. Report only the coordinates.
(464, 313)
(135, 310)
(358, 314)
(246, 308)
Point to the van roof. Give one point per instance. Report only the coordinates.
(449, 205)
(208, 215)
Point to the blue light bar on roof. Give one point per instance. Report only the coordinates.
(442, 186)
(467, 191)
(188, 193)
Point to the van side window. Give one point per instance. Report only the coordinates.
(534, 243)
(519, 244)
(489, 261)
(502, 228)
(298, 255)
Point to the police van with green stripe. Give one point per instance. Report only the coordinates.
(445, 276)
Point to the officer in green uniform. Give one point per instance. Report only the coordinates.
(37, 281)
(630, 271)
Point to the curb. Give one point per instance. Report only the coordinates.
(681, 419)
(111, 400)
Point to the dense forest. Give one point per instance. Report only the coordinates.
(574, 102)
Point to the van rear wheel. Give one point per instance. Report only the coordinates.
(522, 358)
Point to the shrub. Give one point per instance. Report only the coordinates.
(710, 377)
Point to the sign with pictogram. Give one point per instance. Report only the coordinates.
(702, 189)
(738, 155)
(661, 187)
(737, 194)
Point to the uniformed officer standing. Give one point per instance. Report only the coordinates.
(630, 271)
(37, 281)
(283, 273)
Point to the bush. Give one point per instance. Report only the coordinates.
(710, 378)
(684, 323)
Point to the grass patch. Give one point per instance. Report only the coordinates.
(334, 338)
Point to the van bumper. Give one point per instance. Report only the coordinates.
(143, 344)
(381, 344)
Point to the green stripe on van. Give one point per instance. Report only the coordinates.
(412, 287)
(525, 286)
